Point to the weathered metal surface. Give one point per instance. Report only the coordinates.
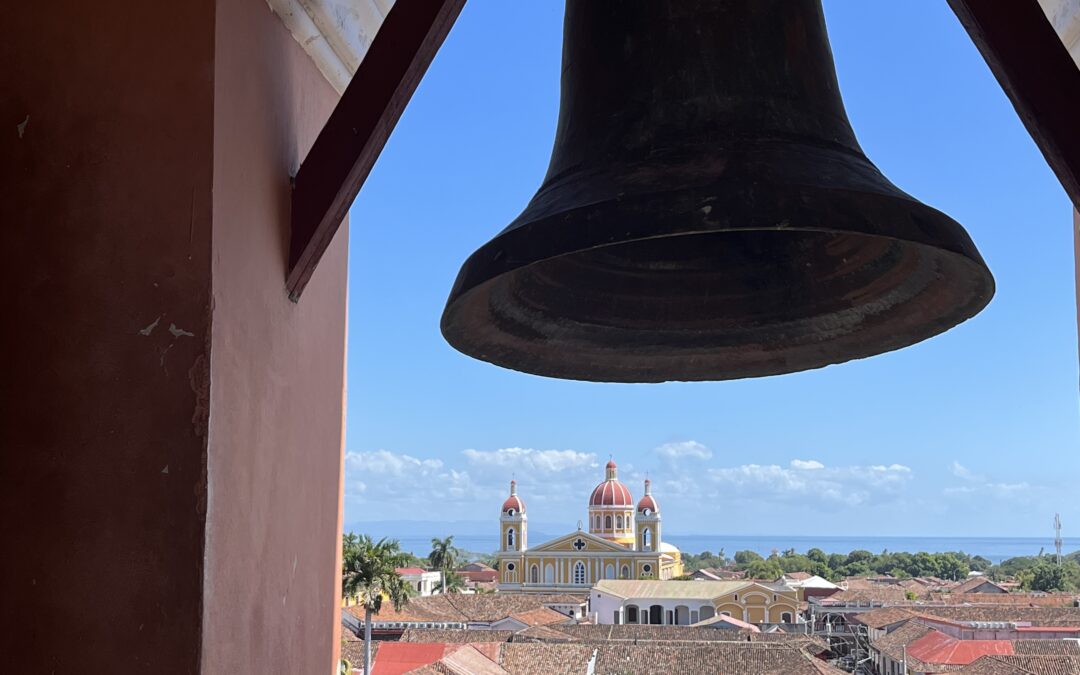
(708, 213)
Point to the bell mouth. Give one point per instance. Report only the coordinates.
(716, 305)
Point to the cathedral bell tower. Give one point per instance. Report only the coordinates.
(647, 521)
(513, 523)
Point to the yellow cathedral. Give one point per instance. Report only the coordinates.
(622, 542)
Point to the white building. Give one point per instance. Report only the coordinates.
(423, 583)
(682, 603)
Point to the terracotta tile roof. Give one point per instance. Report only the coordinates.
(1047, 647)
(478, 608)
(798, 576)
(892, 645)
(532, 658)
(410, 571)
(474, 659)
(1039, 616)
(1024, 665)
(546, 659)
(453, 636)
(891, 594)
(973, 583)
(541, 616)
(542, 634)
(353, 651)
(886, 616)
(1029, 599)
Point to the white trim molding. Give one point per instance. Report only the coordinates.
(1064, 16)
(335, 33)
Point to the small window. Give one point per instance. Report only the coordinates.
(736, 597)
(509, 566)
(646, 568)
(607, 522)
(625, 573)
(618, 522)
(597, 521)
(785, 618)
(510, 511)
(509, 538)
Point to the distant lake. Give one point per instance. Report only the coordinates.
(993, 548)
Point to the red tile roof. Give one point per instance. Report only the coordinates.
(411, 571)
(397, 658)
(938, 648)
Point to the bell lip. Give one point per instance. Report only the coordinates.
(633, 373)
(469, 285)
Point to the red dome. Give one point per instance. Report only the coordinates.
(647, 502)
(611, 492)
(513, 501)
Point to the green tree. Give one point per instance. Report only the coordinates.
(1048, 577)
(743, 558)
(369, 572)
(444, 557)
(764, 569)
(817, 555)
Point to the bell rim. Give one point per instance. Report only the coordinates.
(980, 281)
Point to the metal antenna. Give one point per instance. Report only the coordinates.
(1057, 537)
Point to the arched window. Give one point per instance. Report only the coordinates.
(646, 539)
(785, 618)
(510, 511)
(625, 573)
(579, 573)
(510, 538)
(549, 574)
(597, 521)
(534, 574)
(607, 522)
(618, 522)
(609, 571)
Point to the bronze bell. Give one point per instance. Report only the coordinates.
(708, 213)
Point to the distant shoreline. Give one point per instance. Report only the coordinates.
(994, 549)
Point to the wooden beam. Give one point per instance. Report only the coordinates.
(344, 152)
(1036, 71)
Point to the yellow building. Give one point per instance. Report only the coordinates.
(623, 541)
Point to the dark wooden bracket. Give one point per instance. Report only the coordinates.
(1036, 71)
(339, 162)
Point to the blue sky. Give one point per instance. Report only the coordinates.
(974, 432)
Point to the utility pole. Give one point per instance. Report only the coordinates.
(1057, 537)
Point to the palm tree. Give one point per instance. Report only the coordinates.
(348, 542)
(443, 557)
(369, 572)
(453, 583)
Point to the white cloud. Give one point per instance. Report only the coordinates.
(544, 462)
(684, 450)
(390, 479)
(810, 481)
(962, 472)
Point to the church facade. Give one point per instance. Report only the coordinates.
(622, 541)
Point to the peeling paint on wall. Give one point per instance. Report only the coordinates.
(150, 329)
(177, 332)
